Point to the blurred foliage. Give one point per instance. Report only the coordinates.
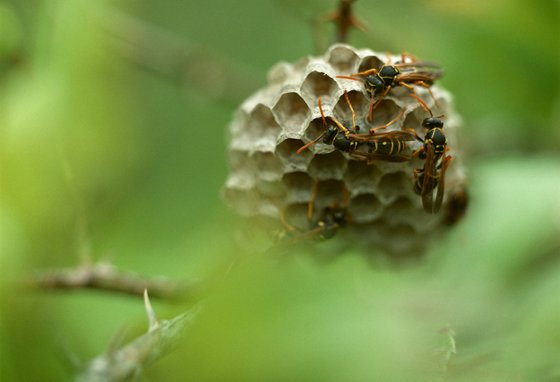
(101, 157)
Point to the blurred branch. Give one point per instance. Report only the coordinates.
(106, 277)
(344, 20)
(449, 350)
(128, 361)
(169, 55)
(82, 226)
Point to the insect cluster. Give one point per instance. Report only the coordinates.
(349, 144)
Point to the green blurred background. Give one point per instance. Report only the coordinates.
(112, 123)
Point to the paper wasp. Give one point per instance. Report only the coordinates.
(407, 74)
(431, 178)
(385, 146)
(332, 218)
(389, 146)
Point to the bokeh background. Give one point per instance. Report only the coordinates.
(112, 146)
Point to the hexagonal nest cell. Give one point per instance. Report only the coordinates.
(269, 177)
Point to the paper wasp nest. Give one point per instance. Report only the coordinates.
(268, 178)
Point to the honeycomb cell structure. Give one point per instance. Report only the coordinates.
(270, 181)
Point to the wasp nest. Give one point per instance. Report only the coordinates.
(270, 181)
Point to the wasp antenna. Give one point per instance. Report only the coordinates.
(349, 78)
(282, 215)
(312, 201)
(320, 103)
(351, 109)
(382, 127)
(421, 103)
(302, 148)
(365, 73)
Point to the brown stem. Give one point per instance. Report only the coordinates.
(345, 20)
(107, 278)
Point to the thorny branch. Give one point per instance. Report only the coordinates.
(103, 276)
(345, 20)
(130, 360)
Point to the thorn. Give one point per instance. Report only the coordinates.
(152, 319)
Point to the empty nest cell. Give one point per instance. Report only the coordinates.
(286, 151)
(327, 166)
(262, 124)
(342, 58)
(291, 111)
(318, 84)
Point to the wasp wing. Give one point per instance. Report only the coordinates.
(441, 183)
(399, 135)
(415, 65)
(430, 180)
(370, 157)
(420, 75)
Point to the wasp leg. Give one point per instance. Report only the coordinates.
(312, 201)
(428, 88)
(411, 57)
(302, 148)
(376, 103)
(382, 127)
(416, 97)
(287, 226)
(417, 152)
(351, 109)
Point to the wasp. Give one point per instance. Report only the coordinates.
(431, 177)
(340, 136)
(388, 146)
(378, 83)
(331, 219)
(385, 146)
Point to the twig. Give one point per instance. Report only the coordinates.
(131, 359)
(345, 20)
(103, 276)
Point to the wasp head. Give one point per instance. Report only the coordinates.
(330, 135)
(432, 122)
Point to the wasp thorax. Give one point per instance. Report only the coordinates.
(377, 208)
(388, 74)
(436, 136)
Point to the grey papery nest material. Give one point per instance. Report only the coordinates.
(268, 178)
